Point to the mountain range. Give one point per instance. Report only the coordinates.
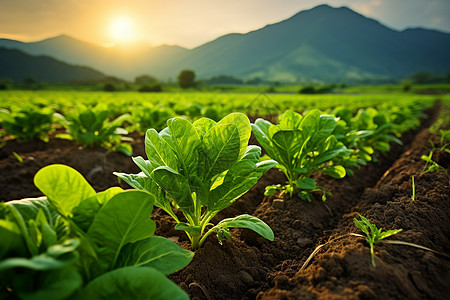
(324, 44)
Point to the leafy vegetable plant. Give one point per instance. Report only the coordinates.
(78, 243)
(375, 235)
(365, 133)
(149, 116)
(27, 123)
(302, 145)
(90, 126)
(201, 168)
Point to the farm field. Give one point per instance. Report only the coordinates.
(249, 266)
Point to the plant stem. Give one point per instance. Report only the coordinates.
(413, 189)
(373, 255)
(195, 242)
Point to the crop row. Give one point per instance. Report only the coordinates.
(74, 242)
(104, 120)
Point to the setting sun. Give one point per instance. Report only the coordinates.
(122, 30)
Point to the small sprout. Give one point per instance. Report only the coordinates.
(432, 165)
(413, 197)
(18, 157)
(375, 235)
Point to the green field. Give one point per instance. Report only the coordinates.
(251, 103)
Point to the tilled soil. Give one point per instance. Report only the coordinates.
(250, 267)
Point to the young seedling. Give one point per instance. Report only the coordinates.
(375, 235)
(201, 168)
(432, 165)
(413, 197)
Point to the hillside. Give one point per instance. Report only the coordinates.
(320, 44)
(17, 65)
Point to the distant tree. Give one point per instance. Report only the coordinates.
(307, 90)
(150, 88)
(145, 79)
(422, 77)
(109, 87)
(29, 81)
(224, 79)
(186, 79)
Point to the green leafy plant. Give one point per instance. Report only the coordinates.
(302, 145)
(201, 168)
(90, 126)
(148, 116)
(27, 123)
(375, 235)
(367, 132)
(78, 243)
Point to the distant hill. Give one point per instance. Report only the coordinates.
(320, 44)
(17, 65)
(323, 43)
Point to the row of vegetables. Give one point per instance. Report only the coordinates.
(77, 243)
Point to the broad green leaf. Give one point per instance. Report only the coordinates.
(243, 124)
(221, 145)
(12, 241)
(335, 171)
(14, 215)
(145, 165)
(309, 123)
(57, 256)
(158, 152)
(306, 184)
(200, 188)
(238, 180)
(176, 187)
(155, 252)
(29, 208)
(287, 144)
(133, 283)
(144, 183)
(84, 214)
(290, 120)
(49, 235)
(203, 125)
(184, 140)
(64, 187)
(124, 219)
(49, 285)
(325, 127)
(328, 155)
(249, 222)
(261, 131)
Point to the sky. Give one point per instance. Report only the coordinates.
(189, 23)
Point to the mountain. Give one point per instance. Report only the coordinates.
(320, 44)
(323, 43)
(17, 65)
(121, 62)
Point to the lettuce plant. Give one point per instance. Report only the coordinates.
(78, 243)
(366, 133)
(27, 123)
(302, 145)
(201, 168)
(90, 127)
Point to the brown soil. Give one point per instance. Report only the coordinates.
(250, 267)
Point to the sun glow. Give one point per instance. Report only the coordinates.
(122, 30)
